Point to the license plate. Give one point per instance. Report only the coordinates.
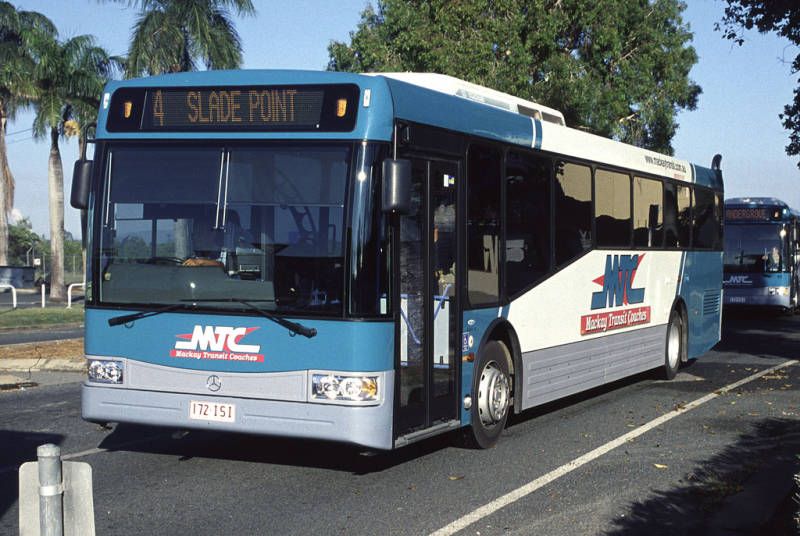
(212, 411)
(736, 299)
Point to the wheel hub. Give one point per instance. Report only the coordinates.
(494, 392)
(673, 344)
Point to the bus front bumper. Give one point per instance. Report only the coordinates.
(761, 297)
(370, 426)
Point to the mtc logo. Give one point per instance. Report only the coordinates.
(739, 280)
(617, 282)
(217, 339)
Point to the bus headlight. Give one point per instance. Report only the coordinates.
(333, 387)
(778, 291)
(105, 371)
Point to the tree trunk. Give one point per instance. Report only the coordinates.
(6, 182)
(55, 181)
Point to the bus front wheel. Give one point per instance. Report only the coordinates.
(491, 388)
(674, 349)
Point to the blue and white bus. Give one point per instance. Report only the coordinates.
(377, 259)
(761, 254)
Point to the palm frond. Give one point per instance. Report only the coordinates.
(48, 115)
(157, 44)
(36, 22)
(174, 35)
(224, 48)
(241, 7)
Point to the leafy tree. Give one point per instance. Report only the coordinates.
(173, 35)
(618, 68)
(17, 29)
(783, 18)
(21, 238)
(67, 75)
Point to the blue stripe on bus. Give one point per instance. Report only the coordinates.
(339, 345)
(459, 114)
(537, 129)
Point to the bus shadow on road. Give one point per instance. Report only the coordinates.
(17, 448)
(265, 450)
(706, 501)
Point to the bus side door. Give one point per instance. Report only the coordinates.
(430, 318)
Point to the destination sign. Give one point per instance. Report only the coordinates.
(752, 214)
(235, 108)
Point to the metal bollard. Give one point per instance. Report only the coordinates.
(51, 491)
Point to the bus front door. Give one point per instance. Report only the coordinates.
(430, 318)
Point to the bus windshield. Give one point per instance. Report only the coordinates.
(755, 248)
(262, 223)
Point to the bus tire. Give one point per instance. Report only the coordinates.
(674, 350)
(492, 395)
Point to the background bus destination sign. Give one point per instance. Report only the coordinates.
(235, 108)
(752, 213)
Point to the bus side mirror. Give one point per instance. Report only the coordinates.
(396, 186)
(81, 182)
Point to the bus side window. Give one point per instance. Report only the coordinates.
(612, 205)
(648, 213)
(527, 219)
(704, 227)
(684, 199)
(573, 210)
(670, 216)
(483, 225)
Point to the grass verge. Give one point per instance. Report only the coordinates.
(37, 317)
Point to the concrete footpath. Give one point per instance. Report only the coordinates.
(13, 372)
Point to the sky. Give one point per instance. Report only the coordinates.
(744, 90)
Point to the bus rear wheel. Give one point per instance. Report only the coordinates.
(674, 350)
(492, 396)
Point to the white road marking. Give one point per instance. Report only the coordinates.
(530, 487)
(86, 452)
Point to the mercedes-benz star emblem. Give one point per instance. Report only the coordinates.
(214, 383)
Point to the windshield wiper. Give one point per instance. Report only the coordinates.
(124, 319)
(294, 327)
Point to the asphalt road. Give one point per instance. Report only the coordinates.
(53, 333)
(671, 479)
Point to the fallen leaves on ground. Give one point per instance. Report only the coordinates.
(69, 349)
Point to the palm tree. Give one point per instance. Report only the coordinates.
(17, 30)
(69, 77)
(173, 35)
